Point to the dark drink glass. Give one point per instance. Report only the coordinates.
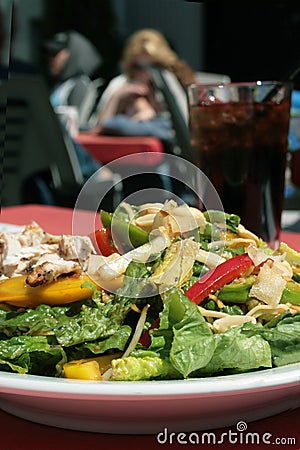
(239, 141)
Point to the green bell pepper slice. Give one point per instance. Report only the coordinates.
(122, 230)
(291, 293)
(237, 291)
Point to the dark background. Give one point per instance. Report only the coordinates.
(248, 41)
(95, 19)
(257, 41)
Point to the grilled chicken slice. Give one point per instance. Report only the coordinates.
(41, 256)
(76, 248)
(15, 259)
(49, 267)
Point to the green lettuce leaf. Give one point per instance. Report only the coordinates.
(70, 324)
(31, 354)
(75, 331)
(238, 352)
(147, 368)
(183, 335)
(117, 341)
(193, 343)
(283, 336)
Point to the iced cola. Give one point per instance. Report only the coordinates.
(239, 140)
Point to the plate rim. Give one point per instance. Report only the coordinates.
(34, 385)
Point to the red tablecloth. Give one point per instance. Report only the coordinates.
(19, 434)
(109, 148)
(55, 220)
(58, 220)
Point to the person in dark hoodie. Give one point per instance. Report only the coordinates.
(72, 60)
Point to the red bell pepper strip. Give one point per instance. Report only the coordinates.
(145, 339)
(218, 277)
(103, 242)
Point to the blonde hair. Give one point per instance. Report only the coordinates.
(151, 43)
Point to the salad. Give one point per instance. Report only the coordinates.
(162, 291)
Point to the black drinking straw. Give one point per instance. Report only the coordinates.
(272, 93)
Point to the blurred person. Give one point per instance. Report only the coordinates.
(131, 104)
(71, 62)
(135, 103)
(40, 184)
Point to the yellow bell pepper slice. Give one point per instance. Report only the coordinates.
(82, 370)
(90, 368)
(15, 291)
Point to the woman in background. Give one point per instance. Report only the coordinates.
(135, 104)
(131, 104)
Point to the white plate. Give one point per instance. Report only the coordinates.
(10, 228)
(150, 407)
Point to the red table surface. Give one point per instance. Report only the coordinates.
(53, 219)
(146, 150)
(57, 220)
(20, 434)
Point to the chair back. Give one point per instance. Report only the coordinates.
(88, 105)
(32, 140)
(176, 101)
